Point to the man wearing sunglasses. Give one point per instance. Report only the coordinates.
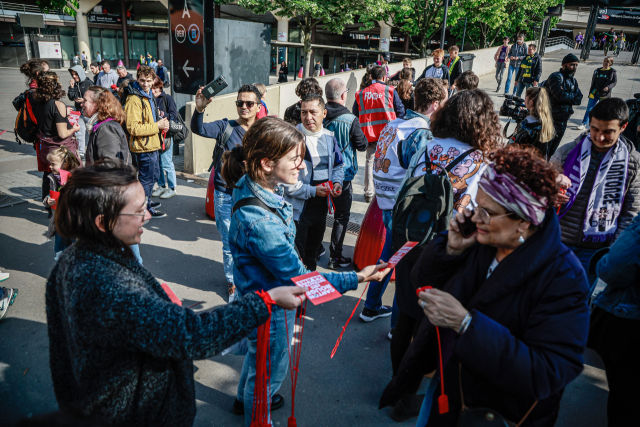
(230, 134)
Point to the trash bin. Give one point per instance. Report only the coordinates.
(466, 58)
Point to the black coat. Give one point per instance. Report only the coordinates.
(77, 91)
(109, 140)
(457, 70)
(563, 94)
(120, 351)
(536, 70)
(527, 335)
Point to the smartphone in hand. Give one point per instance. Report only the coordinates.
(468, 227)
(215, 87)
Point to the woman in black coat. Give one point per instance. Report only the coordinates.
(283, 73)
(510, 301)
(120, 350)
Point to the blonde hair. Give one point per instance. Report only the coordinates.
(261, 88)
(454, 48)
(68, 160)
(542, 111)
(407, 60)
(609, 60)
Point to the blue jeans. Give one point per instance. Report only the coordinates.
(376, 289)
(148, 171)
(223, 203)
(279, 359)
(510, 72)
(592, 103)
(584, 255)
(136, 252)
(166, 165)
(521, 86)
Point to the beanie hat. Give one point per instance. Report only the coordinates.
(570, 58)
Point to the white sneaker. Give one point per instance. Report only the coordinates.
(581, 127)
(169, 193)
(3, 276)
(158, 191)
(7, 300)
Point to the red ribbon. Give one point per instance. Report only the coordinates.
(260, 416)
(294, 361)
(344, 328)
(329, 185)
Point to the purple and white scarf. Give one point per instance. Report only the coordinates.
(609, 188)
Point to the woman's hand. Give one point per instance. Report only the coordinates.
(288, 297)
(321, 191)
(456, 243)
(76, 128)
(373, 273)
(442, 308)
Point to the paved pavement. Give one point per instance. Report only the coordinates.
(185, 251)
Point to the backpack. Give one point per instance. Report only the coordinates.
(177, 129)
(221, 143)
(423, 208)
(26, 126)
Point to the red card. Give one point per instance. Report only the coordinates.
(73, 117)
(320, 290)
(54, 195)
(64, 175)
(395, 259)
(173, 297)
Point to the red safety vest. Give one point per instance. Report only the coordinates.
(375, 107)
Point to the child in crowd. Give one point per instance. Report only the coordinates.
(264, 111)
(59, 159)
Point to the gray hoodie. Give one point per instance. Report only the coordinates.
(79, 88)
(107, 79)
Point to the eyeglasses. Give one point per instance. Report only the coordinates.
(249, 104)
(486, 216)
(346, 91)
(141, 215)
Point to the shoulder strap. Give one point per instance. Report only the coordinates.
(458, 159)
(254, 201)
(228, 130)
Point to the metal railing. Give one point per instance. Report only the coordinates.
(560, 40)
(15, 7)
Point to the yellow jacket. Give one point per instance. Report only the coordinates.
(144, 134)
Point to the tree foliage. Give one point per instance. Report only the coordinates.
(67, 6)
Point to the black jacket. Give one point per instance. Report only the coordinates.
(79, 88)
(292, 114)
(108, 140)
(119, 350)
(121, 79)
(356, 136)
(610, 83)
(536, 71)
(563, 94)
(457, 70)
(445, 73)
(528, 133)
(529, 328)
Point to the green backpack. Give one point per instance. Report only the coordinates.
(423, 208)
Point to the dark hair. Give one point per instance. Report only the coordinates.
(32, 67)
(250, 89)
(467, 81)
(405, 89)
(378, 73)
(105, 61)
(48, 87)
(94, 64)
(268, 138)
(366, 79)
(533, 46)
(405, 74)
(427, 92)
(528, 168)
(92, 191)
(611, 109)
(314, 97)
(468, 117)
(308, 85)
(145, 71)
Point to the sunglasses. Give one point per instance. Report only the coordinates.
(249, 104)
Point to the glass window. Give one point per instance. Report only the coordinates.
(152, 44)
(137, 46)
(68, 48)
(120, 46)
(109, 45)
(96, 46)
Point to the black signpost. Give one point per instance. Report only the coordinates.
(186, 18)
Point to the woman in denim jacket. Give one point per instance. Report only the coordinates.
(262, 235)
(615, 324)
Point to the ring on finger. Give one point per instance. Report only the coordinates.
(422, 304)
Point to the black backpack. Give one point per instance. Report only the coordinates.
(177, 129)
(424, 208)
(26, 126)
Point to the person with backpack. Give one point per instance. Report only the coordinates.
(78, 85)
(26, 128)
(228, 134)
(564, 93)
(450, 166)
(262, 234)
(397, 141)
(167, 107)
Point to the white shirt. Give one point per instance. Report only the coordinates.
(317, 151)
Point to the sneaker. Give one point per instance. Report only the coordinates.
(154, 205)
(158, 191)
(168, 194)
(3, 276)
(7, 300)
(277, 402)
(156, 213)
(339, 262)
(498, 90)
(321, 252)
(369, 315)
(581, 127)
(233, 295)
(390, 335)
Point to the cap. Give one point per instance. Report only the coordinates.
(386, 56)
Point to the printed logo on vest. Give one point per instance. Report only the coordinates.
(373, 96)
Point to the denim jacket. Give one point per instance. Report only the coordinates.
(619, 268)
(263, 247)
(298, 193)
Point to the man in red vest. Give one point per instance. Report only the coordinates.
(375, 106)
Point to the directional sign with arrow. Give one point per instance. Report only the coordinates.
(185, 68)
(186, 20)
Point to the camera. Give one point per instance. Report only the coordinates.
(514, 107)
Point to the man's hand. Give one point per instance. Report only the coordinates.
(535, 83)
(606, 89)
(201, 101)
(321, 191)
(163, 124)
(72, 83)
(337, 190)
(79, 100)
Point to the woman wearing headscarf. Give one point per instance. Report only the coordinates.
(510, 302)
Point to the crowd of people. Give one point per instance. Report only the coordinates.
(526, 249)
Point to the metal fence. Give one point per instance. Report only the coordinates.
(561, 40)
(15, 7)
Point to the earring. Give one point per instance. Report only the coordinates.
(521, 239)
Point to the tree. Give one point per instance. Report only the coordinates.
(333, 15)
(67, 6)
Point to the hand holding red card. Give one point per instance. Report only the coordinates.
(54, 195)
(320, 290)
(73, 117)
(395, 259)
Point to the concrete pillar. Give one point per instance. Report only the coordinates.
(82, 27)
(125, 35)
(385, 36)
(282, 36)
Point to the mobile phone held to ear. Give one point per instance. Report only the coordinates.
(215, 87)
(468, 227)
